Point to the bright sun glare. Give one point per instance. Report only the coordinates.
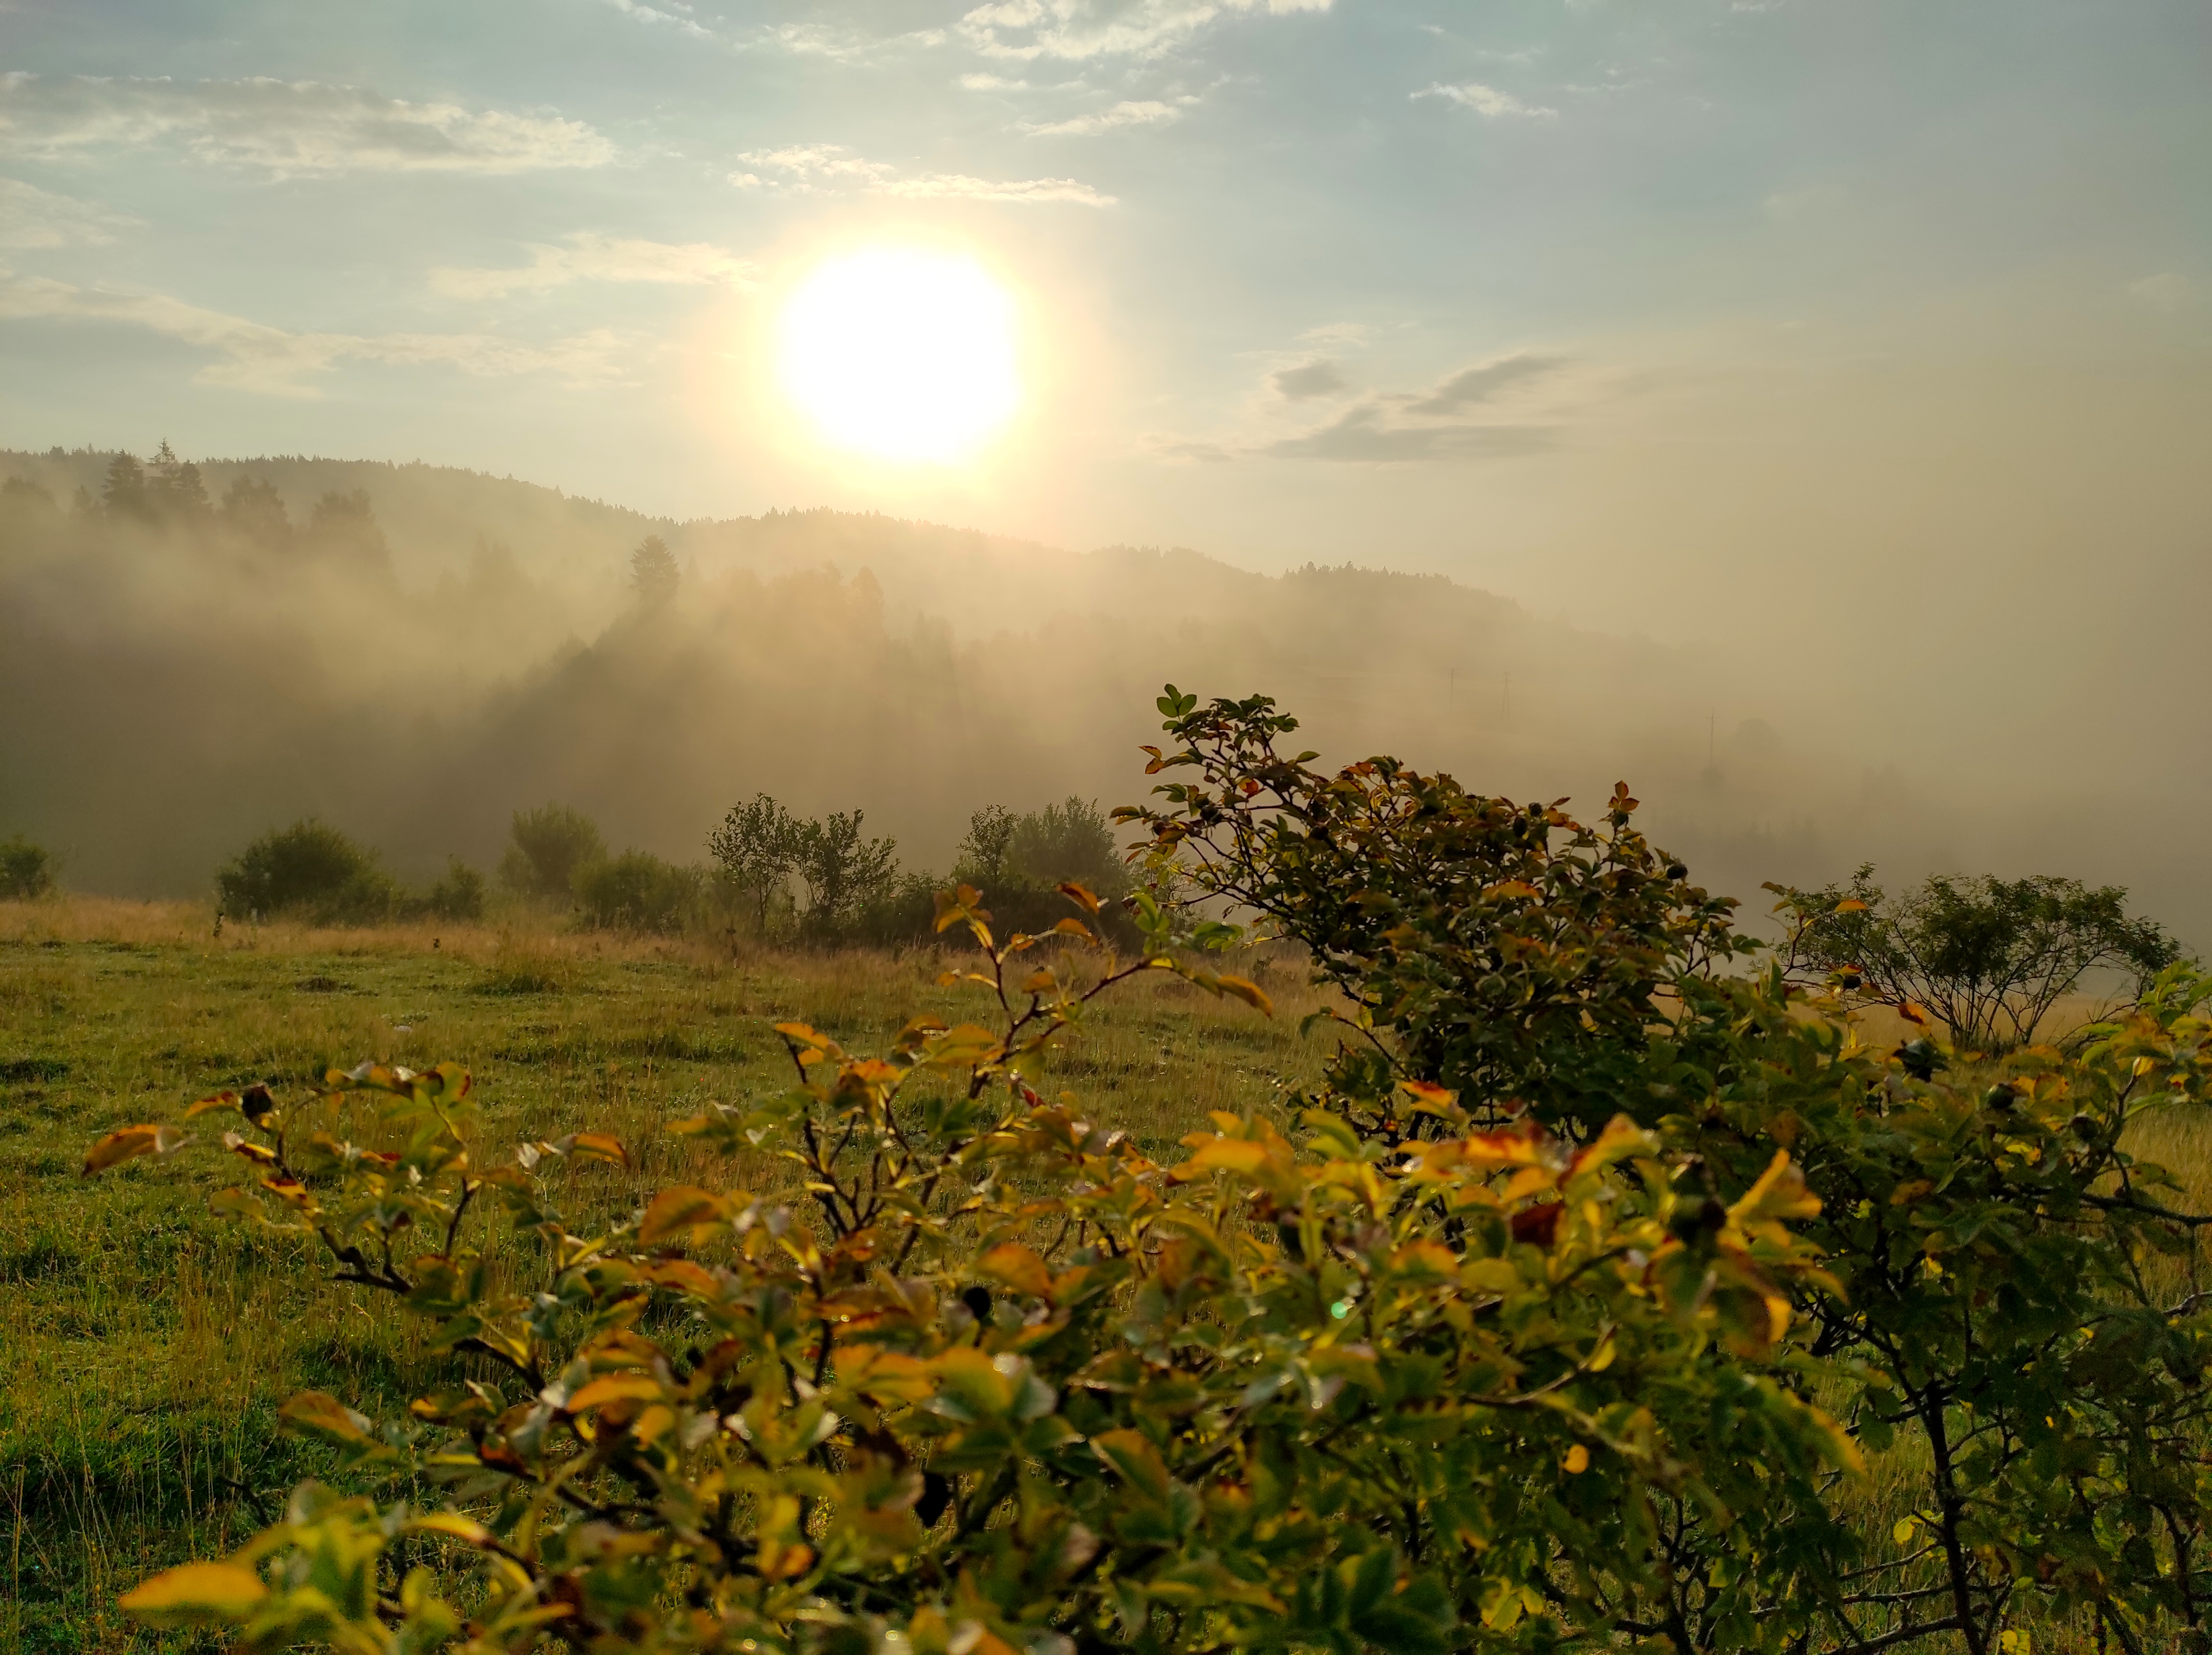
(901, 352)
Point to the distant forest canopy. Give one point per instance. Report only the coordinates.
(192, 653)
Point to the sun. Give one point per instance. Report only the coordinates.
(903, 353)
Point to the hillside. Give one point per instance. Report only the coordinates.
(175, 678)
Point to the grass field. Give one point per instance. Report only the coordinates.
(146, 1346)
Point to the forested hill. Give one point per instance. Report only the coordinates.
(190, 654)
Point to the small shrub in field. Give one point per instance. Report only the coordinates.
(549, 846)
(637, 891)
(460, 894)
(310, 869)
(26, 869)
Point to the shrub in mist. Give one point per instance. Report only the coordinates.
(547, 848)
(1988, 957)
(310, 869)
(26, 869)
(638, 891)
(458, 895)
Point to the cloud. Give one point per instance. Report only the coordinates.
(589, 258)
(1319, 377)
(1470, 387)
(32, 217)
(259, 358)
(1121, 114)
(1488, 101)
(676, 19)
(2168, 291)
(1398, 427)
(288, 127)
(828, 168)
(1028, 29)
(1364, 433)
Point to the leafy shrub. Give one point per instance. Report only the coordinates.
(1994, 1325)
(1003, 1384)
(1071, 842)
(458, 895)
(757, 848)
(26, 869)
(1990, 957)
(637, 891)
(548, 846)
(1472, 1364)
(310, 869)
(852, 881)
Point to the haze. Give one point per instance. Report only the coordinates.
(1826, 379)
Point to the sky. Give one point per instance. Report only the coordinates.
(1868, 337)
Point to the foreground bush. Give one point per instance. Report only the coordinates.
(1000, 1382)
(1515, 1347)
(2018, 1317)
(310, 869)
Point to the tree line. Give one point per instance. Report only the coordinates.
(771, 875)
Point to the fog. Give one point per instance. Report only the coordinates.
(411, 653)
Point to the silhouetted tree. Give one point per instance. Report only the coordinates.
(123, 493)
(345, 525)
(653, 572)
(256, 511)
(983, 848)
(173, 487)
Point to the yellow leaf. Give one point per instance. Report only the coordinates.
(1248, 992)
(324, 1415)
(200, 1594)
(596, 1146)
(220, 1101)
(1018, 1268)
(466, 1529)
(616, 1387)
(677, 1209)
(1577, 1460)
(1851, 905)
(1080, 896)
(128, 1143)
(1901, 1532)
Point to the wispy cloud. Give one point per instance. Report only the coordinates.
(32, 217)
(586, 256)
(829, 168)
(1152, 113)
(1488, 101)
(1027, 30)
(1404, 427)
(2169, 291)
(256, 357)
(288, 127)
(1480, 384)
(1364, 434)
(677, 16)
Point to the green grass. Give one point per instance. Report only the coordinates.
(146, 1346)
